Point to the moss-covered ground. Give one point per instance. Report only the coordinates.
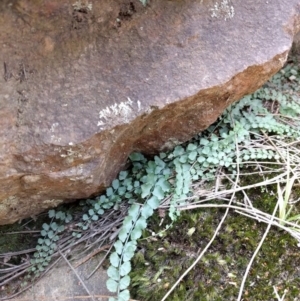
(160, 261)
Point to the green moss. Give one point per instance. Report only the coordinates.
(218, 275)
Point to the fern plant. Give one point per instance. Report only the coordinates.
(47, 242)
(154, 186)
(148, 182)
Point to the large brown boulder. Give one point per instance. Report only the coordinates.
(85, 83)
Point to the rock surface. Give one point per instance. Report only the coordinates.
(86, 83)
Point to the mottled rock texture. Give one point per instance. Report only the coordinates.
(85, 83)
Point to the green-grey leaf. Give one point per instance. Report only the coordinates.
(55, 238)
(123, 175)
(128, 253)
(153, 202)
(135, 234)
(47, 242)
(95, 217)
(125, 295)
(158, 170)
(201, 159)
(127, 223)
(141, 223)
(203, 141)
(68, 218)
(85, 227)
(146, 188)
(100, 211)
(114, 259)
(186, 168)
(125, 268)
(183, 158)
(103, 199)
(128, 195)
(206, 150)
(191, 147)
(132, 243)
(151, 166)
(136, 157)
(50, 234)
(162, 155)
(51, 213)
(61, 228)
(158, 192)
(147, 210)
(115, 184)
(160, 165)
(113, 273)
(41, 268)
(112, 285)
(118, 247)
(178, 150)
(54, 226)
(151, 178)
(134, 211)
(45, 263)
(159, 161)
(124, 282)
(164, 184)
(123, 234)
(46, 227)
(193, 155)
(45, 248)
(109, 191)
(60, 215)
(32, 261)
